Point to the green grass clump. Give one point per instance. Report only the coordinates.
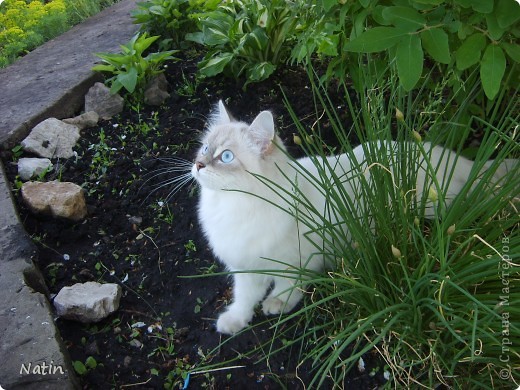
(434, 297)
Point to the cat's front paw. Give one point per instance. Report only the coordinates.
(273, 306)
(230, 323)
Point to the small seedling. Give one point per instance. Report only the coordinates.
(52, 272)
(198, 306)
(83, 368)
(17, 183)
(188, 87)
(190, 247)
(42, 174)
(17, 152)
(209, 270)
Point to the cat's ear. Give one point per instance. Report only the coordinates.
(221, 116)
(262, 131)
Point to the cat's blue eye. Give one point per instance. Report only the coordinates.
(205, 149)
(227, 156)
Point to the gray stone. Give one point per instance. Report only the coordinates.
(84, 121)
(156, 92)
(58, 199)
(135, 220)
(29, 167)
(127, 360)
(52, 138)
(87, 302)
(100, 100)
(135, 343)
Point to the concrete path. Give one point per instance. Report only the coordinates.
(49, 82)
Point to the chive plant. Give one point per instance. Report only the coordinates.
(434, 296)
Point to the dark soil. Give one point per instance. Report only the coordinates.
(148, 241)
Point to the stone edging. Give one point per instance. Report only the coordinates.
(49, 82)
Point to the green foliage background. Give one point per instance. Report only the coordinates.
(249, 39)
(453, 35)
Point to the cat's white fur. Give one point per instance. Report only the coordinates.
(246, 232)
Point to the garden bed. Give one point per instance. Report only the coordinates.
(144, 237)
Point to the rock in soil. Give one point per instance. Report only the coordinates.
(84, 121)
(87, 302)
(52, 138)
(100, 100)
(156, 92)
(29, 167)
(58, 199)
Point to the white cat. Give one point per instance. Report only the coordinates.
(248, 233)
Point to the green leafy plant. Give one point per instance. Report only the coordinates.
(188, 87)
(457, 36)
(131, 69)
(171, 19)
(17, 184)
(246, 38)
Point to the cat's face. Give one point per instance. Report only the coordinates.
(232, 150)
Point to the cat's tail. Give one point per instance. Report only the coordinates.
(507, 166)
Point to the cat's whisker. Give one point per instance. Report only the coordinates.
(174, 165)
(177, 167)
(156, 174)
(168, 170)
(175, 160)
(180, 182)
(172, 158)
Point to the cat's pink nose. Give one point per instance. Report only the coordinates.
(199, 165)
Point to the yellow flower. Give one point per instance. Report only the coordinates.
(36, 7)
(12, 34)
(55, 7)
(18, 4)
(13, 15)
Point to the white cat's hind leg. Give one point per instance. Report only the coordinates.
(248, 290)
(282, 298)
